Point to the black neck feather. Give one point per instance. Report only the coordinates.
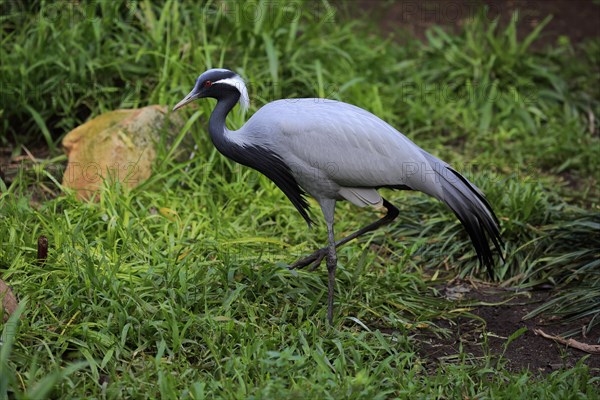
(255, 156)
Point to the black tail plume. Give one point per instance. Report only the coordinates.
(473, 210)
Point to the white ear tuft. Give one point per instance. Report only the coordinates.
(238, 83)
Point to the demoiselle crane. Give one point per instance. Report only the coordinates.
(336, 151)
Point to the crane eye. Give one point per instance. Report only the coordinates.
(207, 84)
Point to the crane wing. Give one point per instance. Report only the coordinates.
(346, 145)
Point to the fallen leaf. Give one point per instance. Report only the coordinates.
(169, 214)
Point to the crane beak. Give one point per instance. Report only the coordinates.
(187, 99)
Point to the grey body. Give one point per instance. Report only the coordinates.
(336, 151)
(339, 151)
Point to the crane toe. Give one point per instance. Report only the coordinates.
(314, 259)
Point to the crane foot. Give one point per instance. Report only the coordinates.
(314, 259)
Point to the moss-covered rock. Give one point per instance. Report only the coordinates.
(118, 145)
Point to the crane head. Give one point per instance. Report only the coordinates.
(218, 84)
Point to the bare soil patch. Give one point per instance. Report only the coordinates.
(501, 316)
(575, 19)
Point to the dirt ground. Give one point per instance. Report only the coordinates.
(575, 19)
(500, 317)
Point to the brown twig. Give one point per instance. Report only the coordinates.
(588, 348)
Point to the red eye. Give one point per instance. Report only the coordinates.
(207, 84)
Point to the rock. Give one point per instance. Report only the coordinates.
(8, 300)
(118, 145)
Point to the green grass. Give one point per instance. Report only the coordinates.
(179, 288)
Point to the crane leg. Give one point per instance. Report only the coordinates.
(328, 207)
(318, 256)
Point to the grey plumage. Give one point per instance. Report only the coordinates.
(336, 151)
